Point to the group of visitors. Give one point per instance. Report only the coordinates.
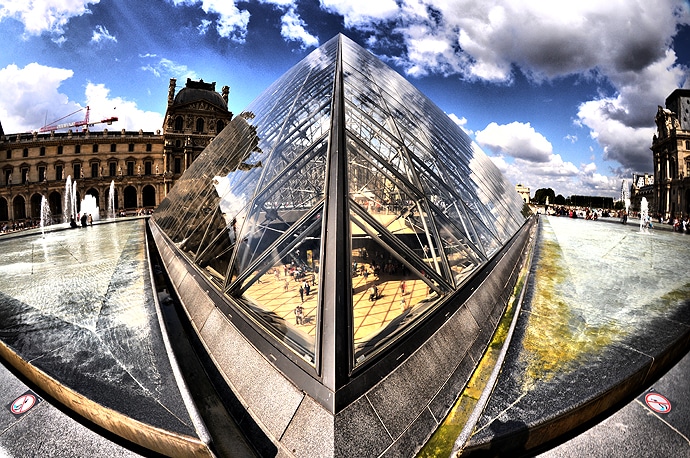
(84, 219)
(681, 224)
(12, 226)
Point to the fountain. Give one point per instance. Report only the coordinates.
(75, 210)
(111, 200)
(46, 217)
(89, 206)
(644, 215)
(67, 200)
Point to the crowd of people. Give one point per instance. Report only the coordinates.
(13, 226)
(678, 224)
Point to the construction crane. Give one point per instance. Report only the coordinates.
(85, 122)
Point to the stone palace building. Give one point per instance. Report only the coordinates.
(671, 149)
(142, 165)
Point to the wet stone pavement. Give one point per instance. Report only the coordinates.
(77, 305)
(607, 312)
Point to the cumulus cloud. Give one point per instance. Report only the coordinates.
(623, 124)
(461, 122)
(562, 176)
(293, 29)
(487, 40)
(623, 46)
(130, 117)
(44, 16)
(525, 156)
(362, 13)
(516, 139)
(30, 96)
(230, 21)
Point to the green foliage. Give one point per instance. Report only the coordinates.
(541, 194)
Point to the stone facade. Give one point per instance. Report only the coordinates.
(524, 192)
(671, 149)
(142, 165)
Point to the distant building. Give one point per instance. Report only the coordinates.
(142, 165)
(642, 186)
(524, 192)
(671, 149)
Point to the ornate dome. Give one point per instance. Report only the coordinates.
(198, 90)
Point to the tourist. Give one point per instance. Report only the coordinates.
(373, 293)
(83, 220)
(301, 293)
(299, 315)
(90, 220)
(72, 222)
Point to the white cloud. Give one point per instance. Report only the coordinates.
(362, 13)
(30, 97)
(526, 156)
(130, 117)
(230, 21)
(292, 28)
(623, 125)
(516, 139)
(167, 68)
(461, 122)
(101, 35)
(625, 46)
(486, 40)
(44, 15)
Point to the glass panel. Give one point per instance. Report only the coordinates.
(389, 290)
(281, 287)
(281, 203)
(215, 254)
(392, 203)
(223, 177)
(460, 253)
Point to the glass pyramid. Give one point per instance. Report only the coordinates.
(340, 209)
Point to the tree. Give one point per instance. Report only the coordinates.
(541, 194)
(560, 200)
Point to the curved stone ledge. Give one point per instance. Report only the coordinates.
(150, 437)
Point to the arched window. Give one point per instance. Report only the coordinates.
(220, 125)
(179, 123)
(148, 196)
(4, 213)
(130, 197)
(200, 125)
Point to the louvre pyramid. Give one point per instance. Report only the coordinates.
(340, 177)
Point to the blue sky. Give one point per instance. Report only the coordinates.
(559, 94)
